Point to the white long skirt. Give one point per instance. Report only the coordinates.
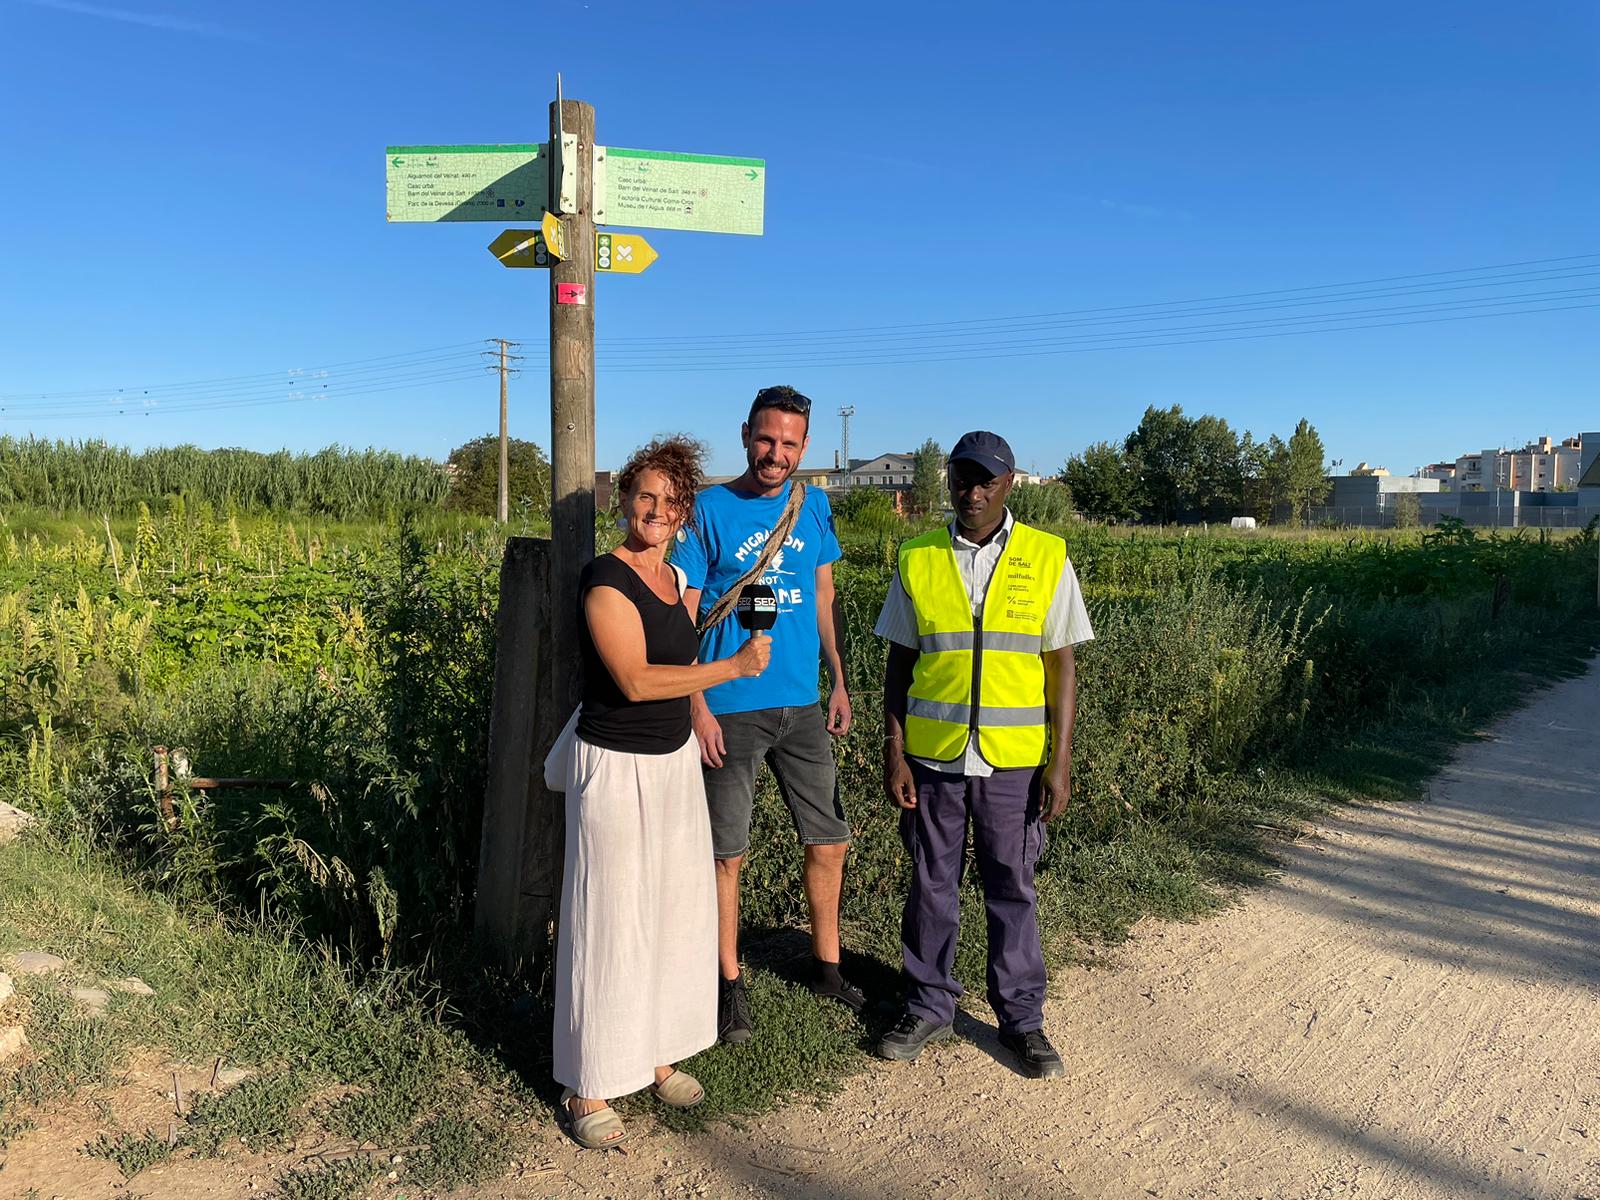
(636, 951)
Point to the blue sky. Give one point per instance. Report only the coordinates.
(194, 193)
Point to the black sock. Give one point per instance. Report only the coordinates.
(827, 972)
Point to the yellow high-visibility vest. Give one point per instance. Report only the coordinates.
(986, 680)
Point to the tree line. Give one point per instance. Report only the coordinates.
(1173, 468)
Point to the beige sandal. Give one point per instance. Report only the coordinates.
(598, 1130)
(680, 1089)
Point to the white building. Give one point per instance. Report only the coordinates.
(1444, 472)
(895, 472)
(1540, 466)
(885, 471)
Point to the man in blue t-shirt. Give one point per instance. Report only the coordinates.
(775, 718)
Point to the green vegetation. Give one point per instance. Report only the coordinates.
(100, 478)
(335, 1181)
(253, 997)
(131, 1153)
(869, 511)
(927, 478)
(475, 478)
(1236, 683)
(1175, 468)
(1048, 505)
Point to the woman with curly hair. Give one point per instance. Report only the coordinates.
(636, 958)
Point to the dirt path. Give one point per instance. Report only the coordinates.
(1411, 1012)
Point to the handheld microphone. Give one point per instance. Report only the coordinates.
(757, 608)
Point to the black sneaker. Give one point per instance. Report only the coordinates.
(826, 981)
(734, 1022)
(1035, 1055)
(910, 1034)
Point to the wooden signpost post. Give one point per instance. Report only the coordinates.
(572, 184)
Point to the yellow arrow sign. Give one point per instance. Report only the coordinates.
(521, 248)
(616, 253)
(555, 235)
(627, 253)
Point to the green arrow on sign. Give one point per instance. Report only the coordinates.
(662, 189)
(465, 183)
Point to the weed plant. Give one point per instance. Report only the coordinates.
(130, 1152)
(332, 1181)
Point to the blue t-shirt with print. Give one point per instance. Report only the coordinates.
(730, 529)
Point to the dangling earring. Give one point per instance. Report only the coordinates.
(622, 523)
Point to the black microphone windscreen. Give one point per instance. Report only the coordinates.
(757, 608)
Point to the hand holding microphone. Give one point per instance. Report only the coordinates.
(757, 611)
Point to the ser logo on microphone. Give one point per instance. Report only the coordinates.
(757, 608)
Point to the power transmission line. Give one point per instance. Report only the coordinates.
(1281, 312)
(1586, 260)
(276, 375)
(834, 361)
(1318, 322)
(134, 408)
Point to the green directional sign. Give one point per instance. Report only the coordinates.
(466, 183)
(659, 189)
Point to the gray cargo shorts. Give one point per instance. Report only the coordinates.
(796, 744)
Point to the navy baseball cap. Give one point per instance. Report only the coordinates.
(989, 450)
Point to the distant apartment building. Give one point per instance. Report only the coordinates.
(1540, 466)
(1545, 484)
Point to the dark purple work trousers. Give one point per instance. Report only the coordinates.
(1008, 837)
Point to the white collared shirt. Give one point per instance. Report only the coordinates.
(1066, 624)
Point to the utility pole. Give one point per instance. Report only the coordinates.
(845, 413)
(571, 393)
(505, 359)
(503, 509)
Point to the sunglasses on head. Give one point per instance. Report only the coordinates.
(785, 398)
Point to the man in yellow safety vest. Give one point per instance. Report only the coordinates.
(979, 700)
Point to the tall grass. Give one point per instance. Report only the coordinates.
(97, 477)
(1232, 683)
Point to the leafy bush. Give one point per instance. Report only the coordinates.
(1041, 504)
(868, 510)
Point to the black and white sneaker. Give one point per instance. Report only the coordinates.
(735, 1025)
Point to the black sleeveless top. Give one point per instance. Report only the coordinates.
(609, 719)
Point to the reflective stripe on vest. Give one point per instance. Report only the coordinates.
(996, 666)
